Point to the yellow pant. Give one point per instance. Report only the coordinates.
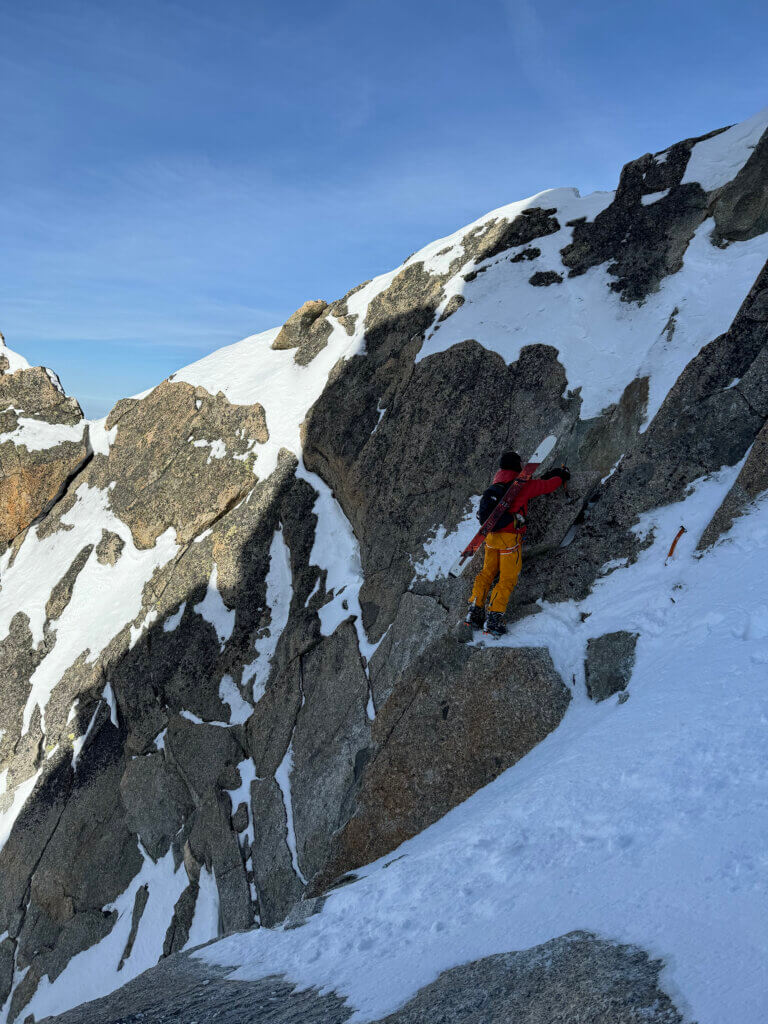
(503, 558)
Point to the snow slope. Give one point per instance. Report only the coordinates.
(602, 342)
(642, 821)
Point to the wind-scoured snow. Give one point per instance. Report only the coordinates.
(716, 161)
(640, 821)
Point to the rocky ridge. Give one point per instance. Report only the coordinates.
(229, 671)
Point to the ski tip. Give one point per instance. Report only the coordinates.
(458, 567)
(544, 449)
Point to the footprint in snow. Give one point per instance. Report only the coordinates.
(757, 624)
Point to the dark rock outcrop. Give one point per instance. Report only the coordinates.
(644, 243)
(544, 278)
(297, 325)
(609, 664)
(577, 977)
(741, 207)
(751, 482)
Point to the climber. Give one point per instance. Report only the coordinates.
(503, 547)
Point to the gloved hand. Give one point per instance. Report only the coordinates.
(562, 471)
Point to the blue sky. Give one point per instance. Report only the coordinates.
(178, 174)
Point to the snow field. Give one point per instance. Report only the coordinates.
(603, 342)
(641, 821)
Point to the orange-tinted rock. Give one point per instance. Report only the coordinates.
(298, 324)
(43, 441)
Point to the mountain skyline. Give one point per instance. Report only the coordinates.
(176, 180)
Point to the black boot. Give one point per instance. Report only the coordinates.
(475, 616)
(495, 624)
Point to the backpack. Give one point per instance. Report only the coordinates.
(490, 499)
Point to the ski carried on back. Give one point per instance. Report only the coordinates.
(504, 504)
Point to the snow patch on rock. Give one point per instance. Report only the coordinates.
(716, 161)
(283, 779)
(93, 973)
(442, 549)
(213, 609)
(279, 583)
(37, 435)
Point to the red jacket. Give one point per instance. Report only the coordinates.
(532, 489)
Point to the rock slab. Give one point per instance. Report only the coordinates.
(578, 978)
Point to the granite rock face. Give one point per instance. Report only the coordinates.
(43, 442)
(198, 702)
(299, 323)
(180, 459)
(458, 718)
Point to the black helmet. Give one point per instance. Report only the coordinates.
(511, 460)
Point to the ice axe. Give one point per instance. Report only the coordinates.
(671, 551)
